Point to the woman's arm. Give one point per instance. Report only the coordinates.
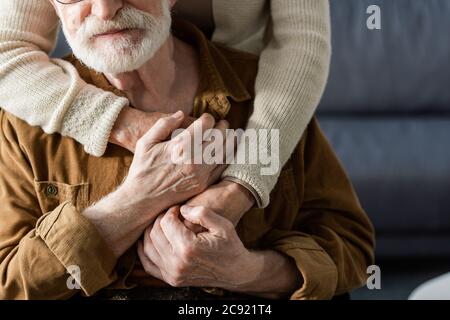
(51, 95)
(292, 75)
(49, 92)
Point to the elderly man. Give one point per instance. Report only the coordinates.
(115, 222)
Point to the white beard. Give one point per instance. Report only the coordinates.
(123, 54)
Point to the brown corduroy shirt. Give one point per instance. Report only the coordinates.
(46, 181)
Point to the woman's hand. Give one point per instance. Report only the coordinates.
(132, 124)
(227, 198)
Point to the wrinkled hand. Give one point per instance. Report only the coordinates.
(176, 255)
(132, 124)
(227, 198)
(154, 179)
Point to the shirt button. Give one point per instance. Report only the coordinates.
(52, 190)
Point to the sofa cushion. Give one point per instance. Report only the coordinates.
(400, 167)
(403, 67)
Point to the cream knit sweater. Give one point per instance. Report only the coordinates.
(292, 36)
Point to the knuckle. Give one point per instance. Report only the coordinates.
(191, 170)
(202, 212)
(228, 227)
(197, 180)
(163, 121)
(147, 269)
(153, 235)
(179, 271)
(165, 221)
(177, 146)
(140, 145)
(175, 282)
(198, 186)
(176, 278)
(147, 250)
(186, 253)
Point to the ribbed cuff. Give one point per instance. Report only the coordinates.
(102, 129)
(249, 177)
(91, 117)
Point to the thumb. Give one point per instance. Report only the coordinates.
(207, 218)
(162, 129)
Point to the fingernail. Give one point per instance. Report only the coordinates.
(208, 115)
(178, 114)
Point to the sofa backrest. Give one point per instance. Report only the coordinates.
(404, 67)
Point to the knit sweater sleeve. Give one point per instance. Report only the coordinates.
(49, 92)
(293, 70)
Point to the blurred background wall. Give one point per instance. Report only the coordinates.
(387, 112)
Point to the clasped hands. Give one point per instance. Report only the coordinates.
(199, 245)
(195, 244)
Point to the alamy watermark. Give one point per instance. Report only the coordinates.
(374, 20)
(255, 147)
(74, 280)
(374, 279)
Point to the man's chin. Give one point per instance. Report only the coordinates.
(113, 60)
(111, 64)
(116, 67)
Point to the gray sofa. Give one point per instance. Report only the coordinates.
(386, 110)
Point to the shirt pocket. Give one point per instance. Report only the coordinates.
(51, 194)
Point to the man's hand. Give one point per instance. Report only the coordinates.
(214, 258)
(227, 198)
(155, 180)
(176, 255)
(154, 183)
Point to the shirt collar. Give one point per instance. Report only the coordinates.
(218, 80)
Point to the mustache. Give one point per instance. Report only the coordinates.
(127, 18)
